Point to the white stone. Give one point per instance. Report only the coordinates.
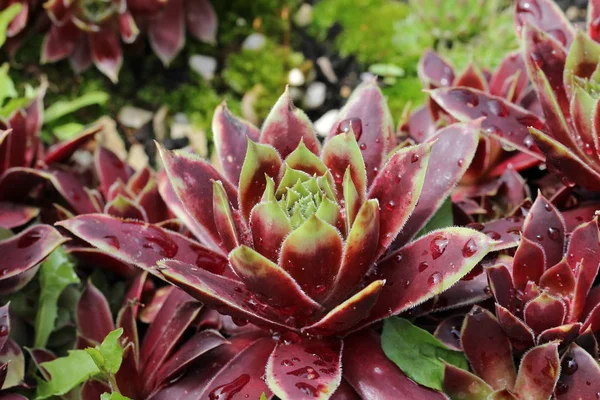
(303, 16)
(296, 77)
(324, 124)
(205, 66)
(255, 41)
(315, 95)
(134, 117)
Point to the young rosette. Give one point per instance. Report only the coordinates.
(307, 234)
(544, 299)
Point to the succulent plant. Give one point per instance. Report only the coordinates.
(165, 350)
(12, 360)
(91, 31)
(312, 244)
(545, 308)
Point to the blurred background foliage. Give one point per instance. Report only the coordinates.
(322, 49)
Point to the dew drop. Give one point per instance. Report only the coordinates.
(528, 142)
(497, 108)
(363, 146)
(112, 240)
(390, 205)
(320, 288)
(561, 388)
(465, 96)
(423, 266)
(493, 235)
(352, 123)
(569, 366)
(3, 330)
(398, 258)
(553, 233)
(305, 373)
(291, 338)
(414, 158)
(460, 162)
(437, 246)
(4, 272)
(434, 279)
(476, 225)
(539, 238)
(469, 248)
(287, 363)
(227, 391)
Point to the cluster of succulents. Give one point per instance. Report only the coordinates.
(383, 261)
(92, 32)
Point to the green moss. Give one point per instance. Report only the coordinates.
(267, 67)
(404, 90)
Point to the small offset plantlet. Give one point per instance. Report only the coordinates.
(311, 245)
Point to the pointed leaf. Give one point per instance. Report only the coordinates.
(167, 32)
(340, 154)
(317, 374)
(122, 207)
(547, 16)
(286, 126)
(14, 215)
(521, 336)
(368, 104)
(107, 53)
(201, 20)
(190, 175)
(231, 140)
(225, 295)
(261, 161)
(582, 256)
(544, 312)
(488, 349)
(350, 312)
(545, 226)
(262, 276)
(312, 254)
(559, 280)
(141, 244)
(528, 264)
(66, 373)
(472, 77)
(224, 220)
(397, 200)
(503, 121)
(461, 384)
(456, 146)
(434, 71)
(412, 277)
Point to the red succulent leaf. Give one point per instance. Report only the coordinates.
(261, 161)
(510, 69)
(27, 249)
(142, 244)
(269, 226)
(376, 139)
(466, 292)
(201, 20)
(434, 71)
(94, 318)
(62, 151)
(565, 161)
(127, 27)
(425, 268)
(266, 278)
(224, 217)
(152, 203)
(81, 56)
(448, 332)
(106, 53)
(501, 285)
(286, 126)
(340, 154)
(528, 264)
(593, 21)
(503, 120)
(139, 180)
(456, 146)
(231, 141)
(397, 201)
(26, 124)
(365, 364)
(167, 31)
(563, 333)
(505, 231)
(421, 124)
(349, 313)
(547, 16)
(345, 392)
(545, 226)
(303, 368)
(559, 280)
(13, 215)
(20, 20)
(110, 169)
(127, 375)
(4, 323)
(472, 77)
(166, 338)
(580, 375)
(461, 384)
(59, 42)
(190, 175)
(583, 108)
(226, 295)
(360, 252)
(229, 370)
(538, 373)
(92, 390)
(544, 312)
(583, 257)
(521, 336)
(201, 343)
(312, 254)
(122, 207)
(488, 349)
(94, 258)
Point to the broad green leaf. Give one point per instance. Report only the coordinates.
(441, 219)
(112, 351)
(113, 396)
(67, 131)
(418, 353)
(7, 87)
(56, 273)
(13, 105)
(6, 17)
(64, 107)
(66, 373)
